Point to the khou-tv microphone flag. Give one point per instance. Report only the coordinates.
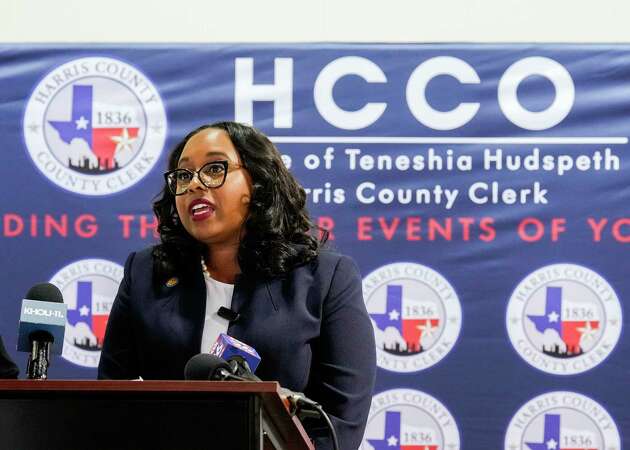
(482, 189)
(227, 347)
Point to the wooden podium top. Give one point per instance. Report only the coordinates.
(275, 409)
(245, 387)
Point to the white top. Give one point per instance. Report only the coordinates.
(217, 294)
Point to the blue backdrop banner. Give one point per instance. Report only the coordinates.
(482, 189)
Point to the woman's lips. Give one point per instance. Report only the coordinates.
(200, 209)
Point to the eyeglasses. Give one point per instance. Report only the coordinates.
(212, 175)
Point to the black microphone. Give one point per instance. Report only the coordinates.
(204, 367)
(240, 367)
(299, 403)
(228, 314)
(8, 369)
(42, 327)
(239, 354)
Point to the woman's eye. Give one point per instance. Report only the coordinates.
(183, 176)
(214, 169)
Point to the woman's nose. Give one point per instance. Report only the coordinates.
(196, 183)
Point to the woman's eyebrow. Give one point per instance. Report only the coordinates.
(217, 154)
(186, 159)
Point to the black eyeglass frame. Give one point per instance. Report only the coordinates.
(222, 162)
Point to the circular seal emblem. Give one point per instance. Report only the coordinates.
(95, 126)
(406, 419)
(562, 421)
(564, 319)
(415, 313)
(88, 287)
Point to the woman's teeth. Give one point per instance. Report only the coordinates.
(199, 209)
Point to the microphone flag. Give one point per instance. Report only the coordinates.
(40, 316)
(227, 347)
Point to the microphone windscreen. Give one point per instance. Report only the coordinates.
(42, 318)
(204, 367)
(45, 292)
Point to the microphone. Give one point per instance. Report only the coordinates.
(239, 358)
(204, 367)
(238, 366)
(228, 314)
(8, 369)
(300, 404)
(207, 367)
(42, 328)
(227, 347)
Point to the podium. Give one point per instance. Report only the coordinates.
(156, 415)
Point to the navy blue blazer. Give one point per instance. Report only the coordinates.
(310, 328)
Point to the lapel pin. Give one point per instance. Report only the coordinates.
(172, 282)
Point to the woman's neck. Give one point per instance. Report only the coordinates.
(222, 263)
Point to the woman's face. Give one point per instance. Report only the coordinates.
(214, 216)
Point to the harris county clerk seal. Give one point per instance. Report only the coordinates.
(562, 421)
(415, 313)
(95, 126)
(407, 419)
(564, 319)
(88, 287)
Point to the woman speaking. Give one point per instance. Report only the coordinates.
(235, 233)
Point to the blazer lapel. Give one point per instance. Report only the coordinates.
(240, 300)
(187, 313)
(247, 291)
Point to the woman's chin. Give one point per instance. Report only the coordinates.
(216, 239)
